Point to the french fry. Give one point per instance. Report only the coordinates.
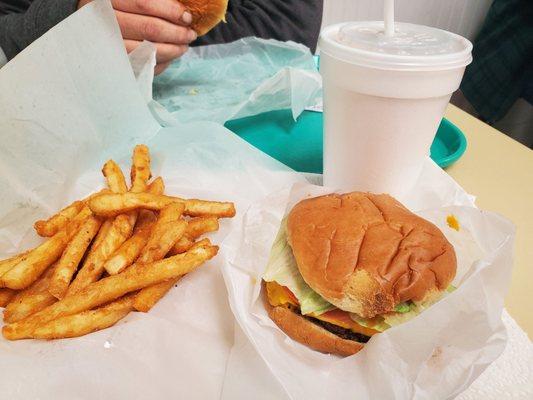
(55, 223)
(108, 289)
(196, 228)
(49, 227)
(102, 233)
(140, 169)
(85, 322)
(120, 230)
(199, 226)
(39, 259)
(131, 248)
(108, 205)
(31, 299)
(40, 285)
(71, 257)
(182, 245)
(6, 265)
(149, 296)
(166, 232)
(6, 295)
(171, 213)
(16, 311)
(114, 177)
(157, 186)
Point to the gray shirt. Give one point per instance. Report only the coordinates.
(23, 21)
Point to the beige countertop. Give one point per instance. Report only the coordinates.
(499, 172)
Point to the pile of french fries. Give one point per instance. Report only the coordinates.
(115, 252)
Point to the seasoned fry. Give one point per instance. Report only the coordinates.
(6, 295)
(149, 296)
(40, 285)
(171, 213)
(102, 233)
(16, 311)
(157, 186)
(166, 232)
(112, 204)
(114, 177)
(71, 257)
(39, 259)
(55, 223)
(108, 289)
(182, 245)
(85, 322)
(131, 248)
(31, 299)
(140, 169)
(199, 226)
(196, 228)
(93, 266)
(162, 241)
(6, 265)
(58, 221)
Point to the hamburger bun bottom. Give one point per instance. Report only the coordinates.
(307, 333)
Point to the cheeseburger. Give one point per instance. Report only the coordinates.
(346, 267)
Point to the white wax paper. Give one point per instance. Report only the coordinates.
(235, 80)
(61, 119)
(436, 355)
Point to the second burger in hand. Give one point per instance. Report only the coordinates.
(346, 267)
(206, 14)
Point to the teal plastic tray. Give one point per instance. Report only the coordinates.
(299, 144)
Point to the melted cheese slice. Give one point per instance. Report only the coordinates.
(281, 296)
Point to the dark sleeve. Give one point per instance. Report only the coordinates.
(296, 20)
(19, 29)
(502, 57)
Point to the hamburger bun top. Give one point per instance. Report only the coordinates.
(206, 14)
(367, 253)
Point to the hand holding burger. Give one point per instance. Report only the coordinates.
(169, 24)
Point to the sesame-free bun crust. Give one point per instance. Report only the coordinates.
(366, 253)
(305, 332)
(206, 14)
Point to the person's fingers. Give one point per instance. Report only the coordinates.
(159, 68)
(165, 52)
(170, 10)
(142, 27)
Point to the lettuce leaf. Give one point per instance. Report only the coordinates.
(403, 308)
(282, 269)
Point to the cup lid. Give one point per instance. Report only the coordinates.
(412, 47)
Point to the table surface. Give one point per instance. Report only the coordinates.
(499, 172)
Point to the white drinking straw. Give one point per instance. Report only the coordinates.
(388, 15)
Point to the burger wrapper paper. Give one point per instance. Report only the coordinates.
(63, 118)
(436, 355)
